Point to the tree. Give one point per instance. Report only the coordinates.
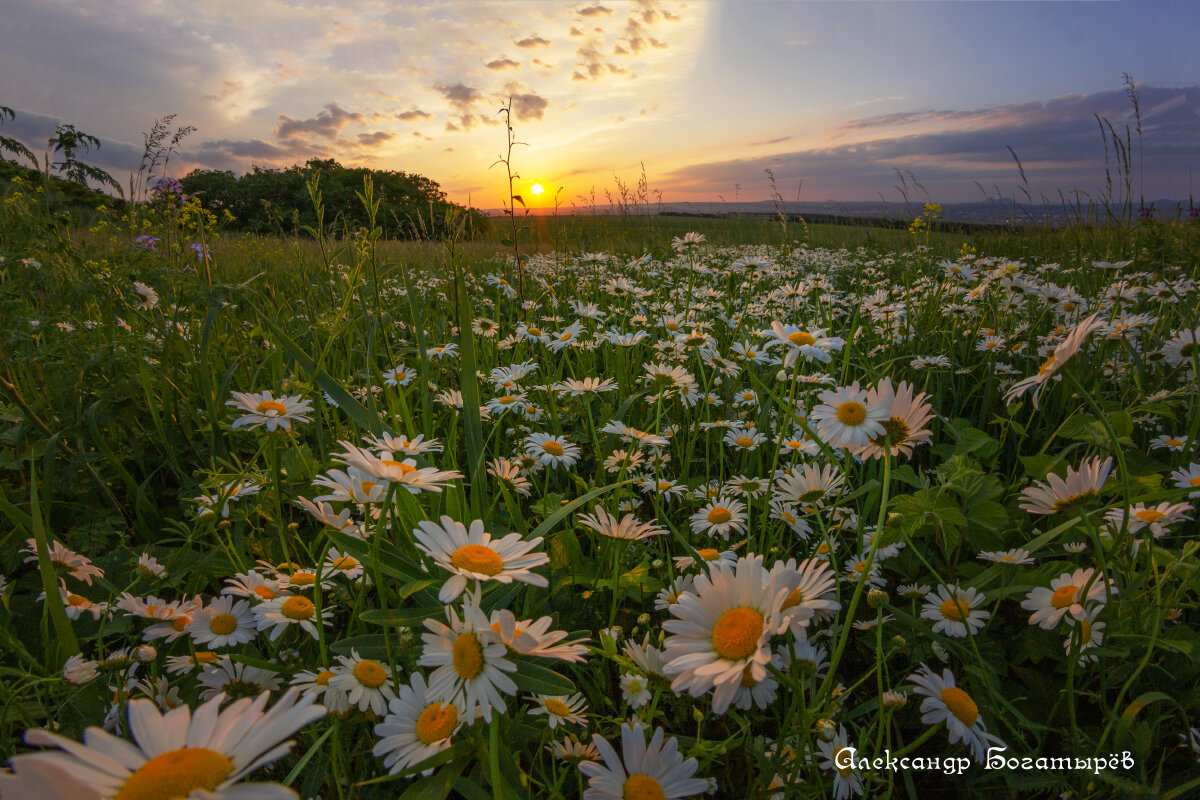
(67, 140)
(12, 145)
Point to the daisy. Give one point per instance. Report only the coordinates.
(723, 628)
(317, 685)
(669, 596)
(418, 727)
(904, 426)
(529, 637)
(1053, 365)
(722, 517)
(234, 679)
(635, 690)
(1016, 557)
(402, 444)
(284, 612)
(149, 297)
(709, 556)
(550, 451)
(1182, 347)
(148, 567)
(1156, 518)
(808, 485)
(1188, 478)
(1066, 595)
(645, 656)
(210, 751)
(560, 710)
(957, 611)
(813, 344)
(744, 439)
(655, 771)
(811, 587)
(342, 521)
(229, 492)
(474, 555)
(845, 419)
(1057, 494)
(573, 751)
(510, 475)
(366, 682)
(338, 563)
(498, 405)
(77, 604)
(838, 758)
(65, 561)
(254, 586)
(223, 624)
(179, 665)
(399, 376)
(264, 409)
(628, 528)
(1174, 444)
(945, 702)
(470, 662)
(1085, 634)
(385, 467)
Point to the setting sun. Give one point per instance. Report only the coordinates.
(536, 189)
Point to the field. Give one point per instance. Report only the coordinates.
(654, 506)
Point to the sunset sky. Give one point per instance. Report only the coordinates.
(707, 95)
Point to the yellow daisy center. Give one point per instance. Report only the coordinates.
(345, 563)
(553, 448)
(1047, 366)
(223, 624)
(642, 787)
(436, 722)
(179, 623)
(1064, 596)
(323, 677)
(176, 773)
(297, 608)
(1194, 481)
(851, 412)
(507, 399)
(1085, 630)
(1150, 515)
(823, 548)
(535, 331)
(565, 337)
(955, 609)
(400, 465)
(76, 600)
(557, 707)
(736, 633)
(837, 759)
(205, 657)
(800, 338)
(477, 558)
(792, 600)
(265, 592)
(1173, 442)
(271, 405)
(744, 441)
(960, 705)
(719, 515)
(708, 553)
(370, 673)
(467, 656)
(302, 579)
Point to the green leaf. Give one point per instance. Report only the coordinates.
(64, 645)
(531, 677)
(371, 645)
(402, 617)
(558, 516)
(388, 562)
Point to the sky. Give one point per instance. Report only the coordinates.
(836, 98)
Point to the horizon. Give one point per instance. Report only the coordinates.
(604, 90)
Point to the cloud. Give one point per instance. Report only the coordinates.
(461, 96)
(1058, 142)
(413, 114)
(503, 62)
(532, 41)
(594, 11)
(575, 32)
(248, 148)
(375, 138)
(529, 106)
(326, 124)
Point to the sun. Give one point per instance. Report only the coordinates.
(536, 189)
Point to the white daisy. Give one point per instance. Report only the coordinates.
(649, 771)
(945, 702)
(223, 623)
(475, 555)
(846, 419)
(418, 727)
(208, 751)
(264, 409)
(957, 611)
(470, 662)
(366, 682)
(560, 710)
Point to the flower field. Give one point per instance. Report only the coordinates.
(696, 519)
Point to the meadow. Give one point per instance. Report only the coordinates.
(627, 507)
